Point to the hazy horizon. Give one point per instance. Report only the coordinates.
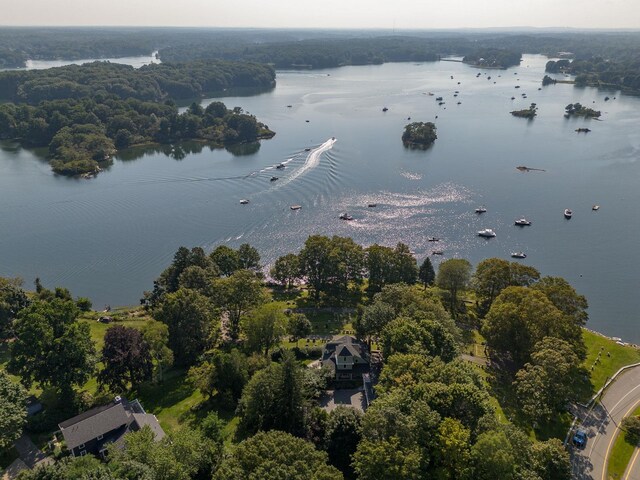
(331, 14)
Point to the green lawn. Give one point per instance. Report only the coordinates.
(620, 454)
(612, 357)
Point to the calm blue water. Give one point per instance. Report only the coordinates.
(109, 237)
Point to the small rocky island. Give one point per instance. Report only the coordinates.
(419, 135)
(579, 110)
(530, 112)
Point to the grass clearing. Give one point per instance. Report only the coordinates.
(621, 454)
(612, 358)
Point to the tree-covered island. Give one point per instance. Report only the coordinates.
(85, 114)
(419, 135)
(530, 112)
(493, 58)
(579, 110)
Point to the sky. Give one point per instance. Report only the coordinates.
(385, 14)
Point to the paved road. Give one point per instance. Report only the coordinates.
(601, 423)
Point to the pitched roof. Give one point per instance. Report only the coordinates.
(112, 421)
(89, 425)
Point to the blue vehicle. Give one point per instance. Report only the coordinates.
(580, 438)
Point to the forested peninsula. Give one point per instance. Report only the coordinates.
(156, 82)
(85, 114)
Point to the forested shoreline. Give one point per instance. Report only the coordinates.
(214, 330)
(85, 114)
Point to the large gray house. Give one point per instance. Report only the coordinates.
(348, 357)
(95, 430)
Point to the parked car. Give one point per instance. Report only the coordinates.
(580, 438)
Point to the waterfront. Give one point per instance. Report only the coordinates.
(107, 238)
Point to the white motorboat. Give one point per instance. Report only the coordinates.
(244, 201)
(295, 207)
(345, 216)
(523, 222)
(568, 213)
(487, 233)
(595, 208)
(280, 166)
(481, 209)
(518, 255)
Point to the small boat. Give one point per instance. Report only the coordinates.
(440, 103)
(523, 222)
(583, 130)
(457, 91)
(385, 109)
(487, 233)
(518, 255)
(345, 216)
(438, 99)
(281, 166)
(372, 205)
(459, 103)
(567, 213)
(307, 149)
(289, 106)
(595, 208)
(517, 86)
(437, 252)
(455, 94)
(307, 121)
(430, 94)
(481, 210)
(433, 239)
(244, 201)
(295, 207)
(273, 179)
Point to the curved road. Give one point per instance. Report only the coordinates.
(601, 423)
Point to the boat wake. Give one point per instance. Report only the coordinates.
(312, 161)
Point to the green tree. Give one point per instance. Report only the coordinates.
(263, 327)
(52, 347)
(493, 275)
(550, 460)
(493, 457)
(276, 456)
(236, 295)
(126, 358)
(273, 399)
(299, 326)
(13, 410)
(222, 374)
(454, 275)
(565, 298)
(12, 300)
(248, 257)
(454, 455)
(227, 259)
(342, 435)
(423, 336)
(374, 319)
(387, 460)
(427, 274)
(520, 317)
(156, 334)
(188, 316)
(286, 270)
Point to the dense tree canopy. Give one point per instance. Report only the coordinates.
(13, 410)
(276, 456)
(52, 347)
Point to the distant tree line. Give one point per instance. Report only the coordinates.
(156, 82)
(601, 72)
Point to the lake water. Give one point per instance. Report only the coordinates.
(109, 237)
